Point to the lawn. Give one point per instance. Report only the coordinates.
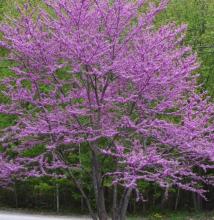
(177, 216)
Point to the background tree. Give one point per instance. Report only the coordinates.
(198, 14)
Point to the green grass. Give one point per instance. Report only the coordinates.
(177, 216)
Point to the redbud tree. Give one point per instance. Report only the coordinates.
(98, 76)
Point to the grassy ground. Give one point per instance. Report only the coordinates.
(177, 216)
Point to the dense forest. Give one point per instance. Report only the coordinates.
(60, 194)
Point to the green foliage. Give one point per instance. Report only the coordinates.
(42, 186)
(198, 15)
(6, 120)
(9, 8)
(35, 151)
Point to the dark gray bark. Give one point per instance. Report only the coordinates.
(98, 187)
(197, 201)
(57, 198)
(177, 199)
(114, 206)
(124, 204)
(15, 195)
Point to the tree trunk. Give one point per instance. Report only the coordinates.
(165, 198)
(57, 198)
(114, 206)
(15, 195)
(197, 201)
(82, 204)
(177, 199)
(98, 188)
(124, 201)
